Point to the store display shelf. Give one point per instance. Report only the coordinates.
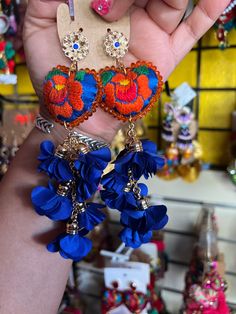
(213, 188)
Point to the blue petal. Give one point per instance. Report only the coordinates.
(101, 156)
(149, 146)
(161, 224)
(144, 189)
(85, 190)
(155, 214)
(144, 163)
(120, 201)
(75, 247)
(146, 237)
(91, 217)
(114, 181)
(136, 214)
(47, 202)
(40, 195)
(130, 238)
(54, 245)
(47, 148)
(133, 238)
(63, 210)
(63, 170)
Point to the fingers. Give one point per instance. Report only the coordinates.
(177, 4)
(111, 10)
(167, 14)
(194, 27)
(141, 3)
(43, 9)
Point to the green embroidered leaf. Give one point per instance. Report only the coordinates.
(80, 76)
(142, 69)
(53, 73)
(106, 77)
(2, 64)
(9, 51)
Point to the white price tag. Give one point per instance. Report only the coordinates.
(8, 79)
(183, 94)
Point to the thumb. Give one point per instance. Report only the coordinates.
(111, 10)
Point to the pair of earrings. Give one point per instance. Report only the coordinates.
(183, 117)
(182, 152)
(72, 95)
(75, 168)
(7, 53)
(135, 301)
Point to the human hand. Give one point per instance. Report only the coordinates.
(156, 36)
(46, 24)
(157, 33)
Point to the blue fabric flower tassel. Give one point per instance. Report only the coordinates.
(53, 162)
(122, 191)
(141, 159)
(139, 224)
(51, 203)
(75, 172)
(71, 246)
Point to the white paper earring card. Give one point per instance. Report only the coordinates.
(125, 276)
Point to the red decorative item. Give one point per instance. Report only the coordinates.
(111, 300)
(207, 298)
(136, 302)
(225, 23)
(70, 310)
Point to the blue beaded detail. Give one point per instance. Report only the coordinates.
(76, 46)
(117, 44)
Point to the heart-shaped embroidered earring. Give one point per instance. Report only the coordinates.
(72, 95)
(129, 93)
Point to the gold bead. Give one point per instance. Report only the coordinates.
(72, 228)
(61, 151)
(63, 189)
(144, 203)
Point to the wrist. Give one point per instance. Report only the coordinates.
(101, 126)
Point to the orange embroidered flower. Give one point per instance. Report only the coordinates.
(62, 94)
(127, 92)
(71, 97)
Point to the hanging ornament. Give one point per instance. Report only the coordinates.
(7, 63)
(4, 155)
(225, 23)
(167, 125)
(4, 23)
(169, 171)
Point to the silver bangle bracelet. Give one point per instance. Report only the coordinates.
(43, 125)
(46, 127)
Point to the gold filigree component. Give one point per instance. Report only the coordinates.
(64, 188)
(75, 46)
(116, 44)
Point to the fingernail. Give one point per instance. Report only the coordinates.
(102, 7)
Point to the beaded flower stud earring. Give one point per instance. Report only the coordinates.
(129, 93)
